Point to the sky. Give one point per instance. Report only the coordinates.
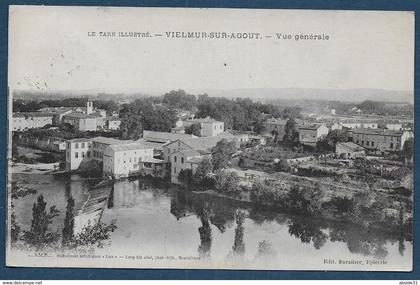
(49, 49)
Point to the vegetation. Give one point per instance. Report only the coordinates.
(291, 133)
(194, 129)
(40, 234)
(68, 229)
(144, 115)
(179, 99)
(222, 154)
(227, 182)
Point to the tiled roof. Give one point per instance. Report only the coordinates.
(31, 114)
(351, 146)
(80, 115)
(129, 146)
(164, 136)
(384, 132)
(110, 141)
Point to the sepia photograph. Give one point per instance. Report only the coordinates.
(258, 139)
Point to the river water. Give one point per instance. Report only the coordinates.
(163, 226)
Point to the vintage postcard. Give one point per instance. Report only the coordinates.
(210, 138)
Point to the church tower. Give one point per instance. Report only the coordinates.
(89, 107)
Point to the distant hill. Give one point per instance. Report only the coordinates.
(348, 95)
(345, 95)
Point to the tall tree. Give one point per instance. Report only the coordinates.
(291, 134)
(40, 234)
(68, 229)
(222, 154)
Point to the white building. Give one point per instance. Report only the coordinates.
(123, 160)
(25, 121)
(310, 135)
(394, 126)
(80, 121)
(209, 127)
(113, 123)
(78, 151)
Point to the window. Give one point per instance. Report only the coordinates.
(130, 159)
(76, 145)
(174, 158)
(357, 141)
(363, 142)
(83, 145)
(373, 143)
(182, 160)
(88, 154)
(221, 127)
(76, 155)
(391, 145)
(175, 170)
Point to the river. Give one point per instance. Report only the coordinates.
(163, 226)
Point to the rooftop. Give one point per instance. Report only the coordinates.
(310, 127)
(203, 120)
(110, 141)
(129, 146)
(351, 146)
(164, 136)
(207, 143)
(80, 115)
(80, 140)
(382, 132)
(113, 118)
(31, 114)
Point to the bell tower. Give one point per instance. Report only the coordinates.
(89, 107)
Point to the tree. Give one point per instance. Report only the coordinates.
(194, 129)
(40, 234)
(227, 181)
(68, 230)
(334, 137)
(201, 175)
(408, 151)
(180, 99)
(94, 235)
(305, 200)
(186, 177)
(144, 115)
(222, 154)
(291, 133)
(258, 126)
(282, 165)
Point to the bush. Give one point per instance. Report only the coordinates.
(305, 200)
(282, 165)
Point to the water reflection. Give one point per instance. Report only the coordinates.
(216, 228)
(307, 231)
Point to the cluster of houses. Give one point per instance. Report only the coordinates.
(81, 118)
(163, 154)
(157, 153)
(363, 135)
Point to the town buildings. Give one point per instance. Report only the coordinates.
(380, 140)
(349, 150)
(310, 135)
(112, 123)
(276, 127)
(80, 121)
(208, 127)
(125, 159)
(32, 120)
